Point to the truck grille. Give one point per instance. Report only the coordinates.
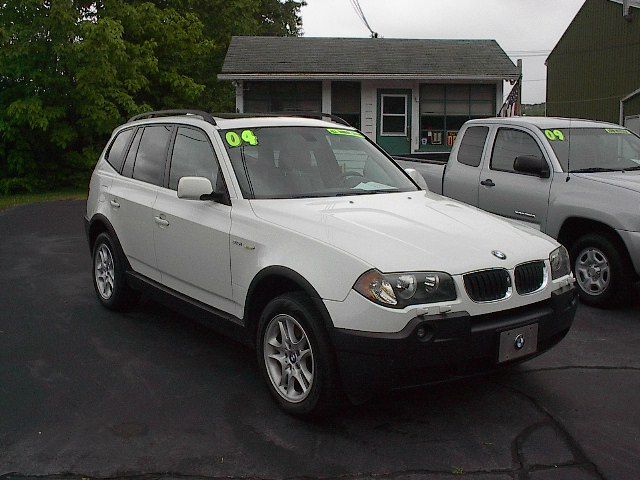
(529, 277)
(487, 285)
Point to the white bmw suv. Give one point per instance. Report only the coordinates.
(304, 239)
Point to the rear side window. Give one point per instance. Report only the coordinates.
(472, 146)
(127, 171)
(511, 144)
(115, 154)
(192, 156)
(150, 159)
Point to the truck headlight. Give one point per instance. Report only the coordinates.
(560, 263)
(398, 290)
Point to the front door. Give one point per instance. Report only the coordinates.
(394, 121)
(509, 193)
(192, 236)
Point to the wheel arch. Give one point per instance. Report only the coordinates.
(575, 227)
(101, 224)
(272, 282)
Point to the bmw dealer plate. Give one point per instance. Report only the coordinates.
(518, 342)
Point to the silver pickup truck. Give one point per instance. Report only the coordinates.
(576, 180)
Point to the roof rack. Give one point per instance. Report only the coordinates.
(318, 115)
(207, 117)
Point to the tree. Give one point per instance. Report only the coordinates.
(72, 70)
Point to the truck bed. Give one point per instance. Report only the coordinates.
(431, 170)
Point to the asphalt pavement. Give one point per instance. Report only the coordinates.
(85, 392)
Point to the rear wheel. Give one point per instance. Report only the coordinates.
(602, 271)
(296, 358)
(109, 278)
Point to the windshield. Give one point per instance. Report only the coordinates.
(305, 162)
(595, 149)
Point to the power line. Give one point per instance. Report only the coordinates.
(356, 6)
(528, 51)
(528, 55)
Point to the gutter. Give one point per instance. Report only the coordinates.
(359, 76)
(622, 102)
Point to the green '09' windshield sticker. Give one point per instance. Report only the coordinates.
(617, 131)
(554, 135)
(347, 133)
(247, 137)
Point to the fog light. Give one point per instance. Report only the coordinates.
(424, 332)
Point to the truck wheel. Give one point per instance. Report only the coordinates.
(296, 357)
(109, 275)
(602, 271)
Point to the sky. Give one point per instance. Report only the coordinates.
(526, 29)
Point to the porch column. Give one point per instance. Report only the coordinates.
(239, 96)
(326, 96)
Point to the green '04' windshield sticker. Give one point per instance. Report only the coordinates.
(348, 133)
(617, 131)
(247, 137)
(554, 135)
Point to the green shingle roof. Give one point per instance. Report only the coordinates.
(366, 56)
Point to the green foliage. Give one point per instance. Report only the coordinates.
(72, 70)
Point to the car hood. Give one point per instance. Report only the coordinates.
(628, 180)
(409, 231)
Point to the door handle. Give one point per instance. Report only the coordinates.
(488, 183)
(114, 204)
(161, 221)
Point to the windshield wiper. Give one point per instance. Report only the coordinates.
(595, 170)
(631, 169)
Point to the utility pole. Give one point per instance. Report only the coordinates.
(519, 101)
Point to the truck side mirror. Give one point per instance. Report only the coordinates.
(532, 165)
(417, 177)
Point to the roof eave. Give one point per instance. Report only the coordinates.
(362, 76)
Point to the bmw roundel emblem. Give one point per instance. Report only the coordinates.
(499, 254)
(519, 342)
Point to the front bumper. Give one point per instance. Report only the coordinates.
(456, 345)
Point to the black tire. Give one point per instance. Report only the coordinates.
(618, 291)
(122, 296)
(325, 393)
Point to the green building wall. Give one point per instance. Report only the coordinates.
(595, 64)
(632, 106)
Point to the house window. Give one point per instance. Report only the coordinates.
(345, 101)
(268, 97)
(394, 115)
(445, 108)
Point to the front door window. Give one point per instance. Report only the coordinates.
(394, 115)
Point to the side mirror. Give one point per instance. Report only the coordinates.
(417, 177)
(532, 165)
(195, 188)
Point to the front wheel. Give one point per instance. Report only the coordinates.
(602, 271)
(296, 358)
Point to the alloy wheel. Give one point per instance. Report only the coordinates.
(104, 271)
(288, 358)
(593, 271)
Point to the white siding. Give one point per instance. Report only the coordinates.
(368, 107)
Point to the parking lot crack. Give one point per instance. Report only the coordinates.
(580, 457)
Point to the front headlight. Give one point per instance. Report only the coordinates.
(398, 290)
(560, 263)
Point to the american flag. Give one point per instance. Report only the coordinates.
(511, 107)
